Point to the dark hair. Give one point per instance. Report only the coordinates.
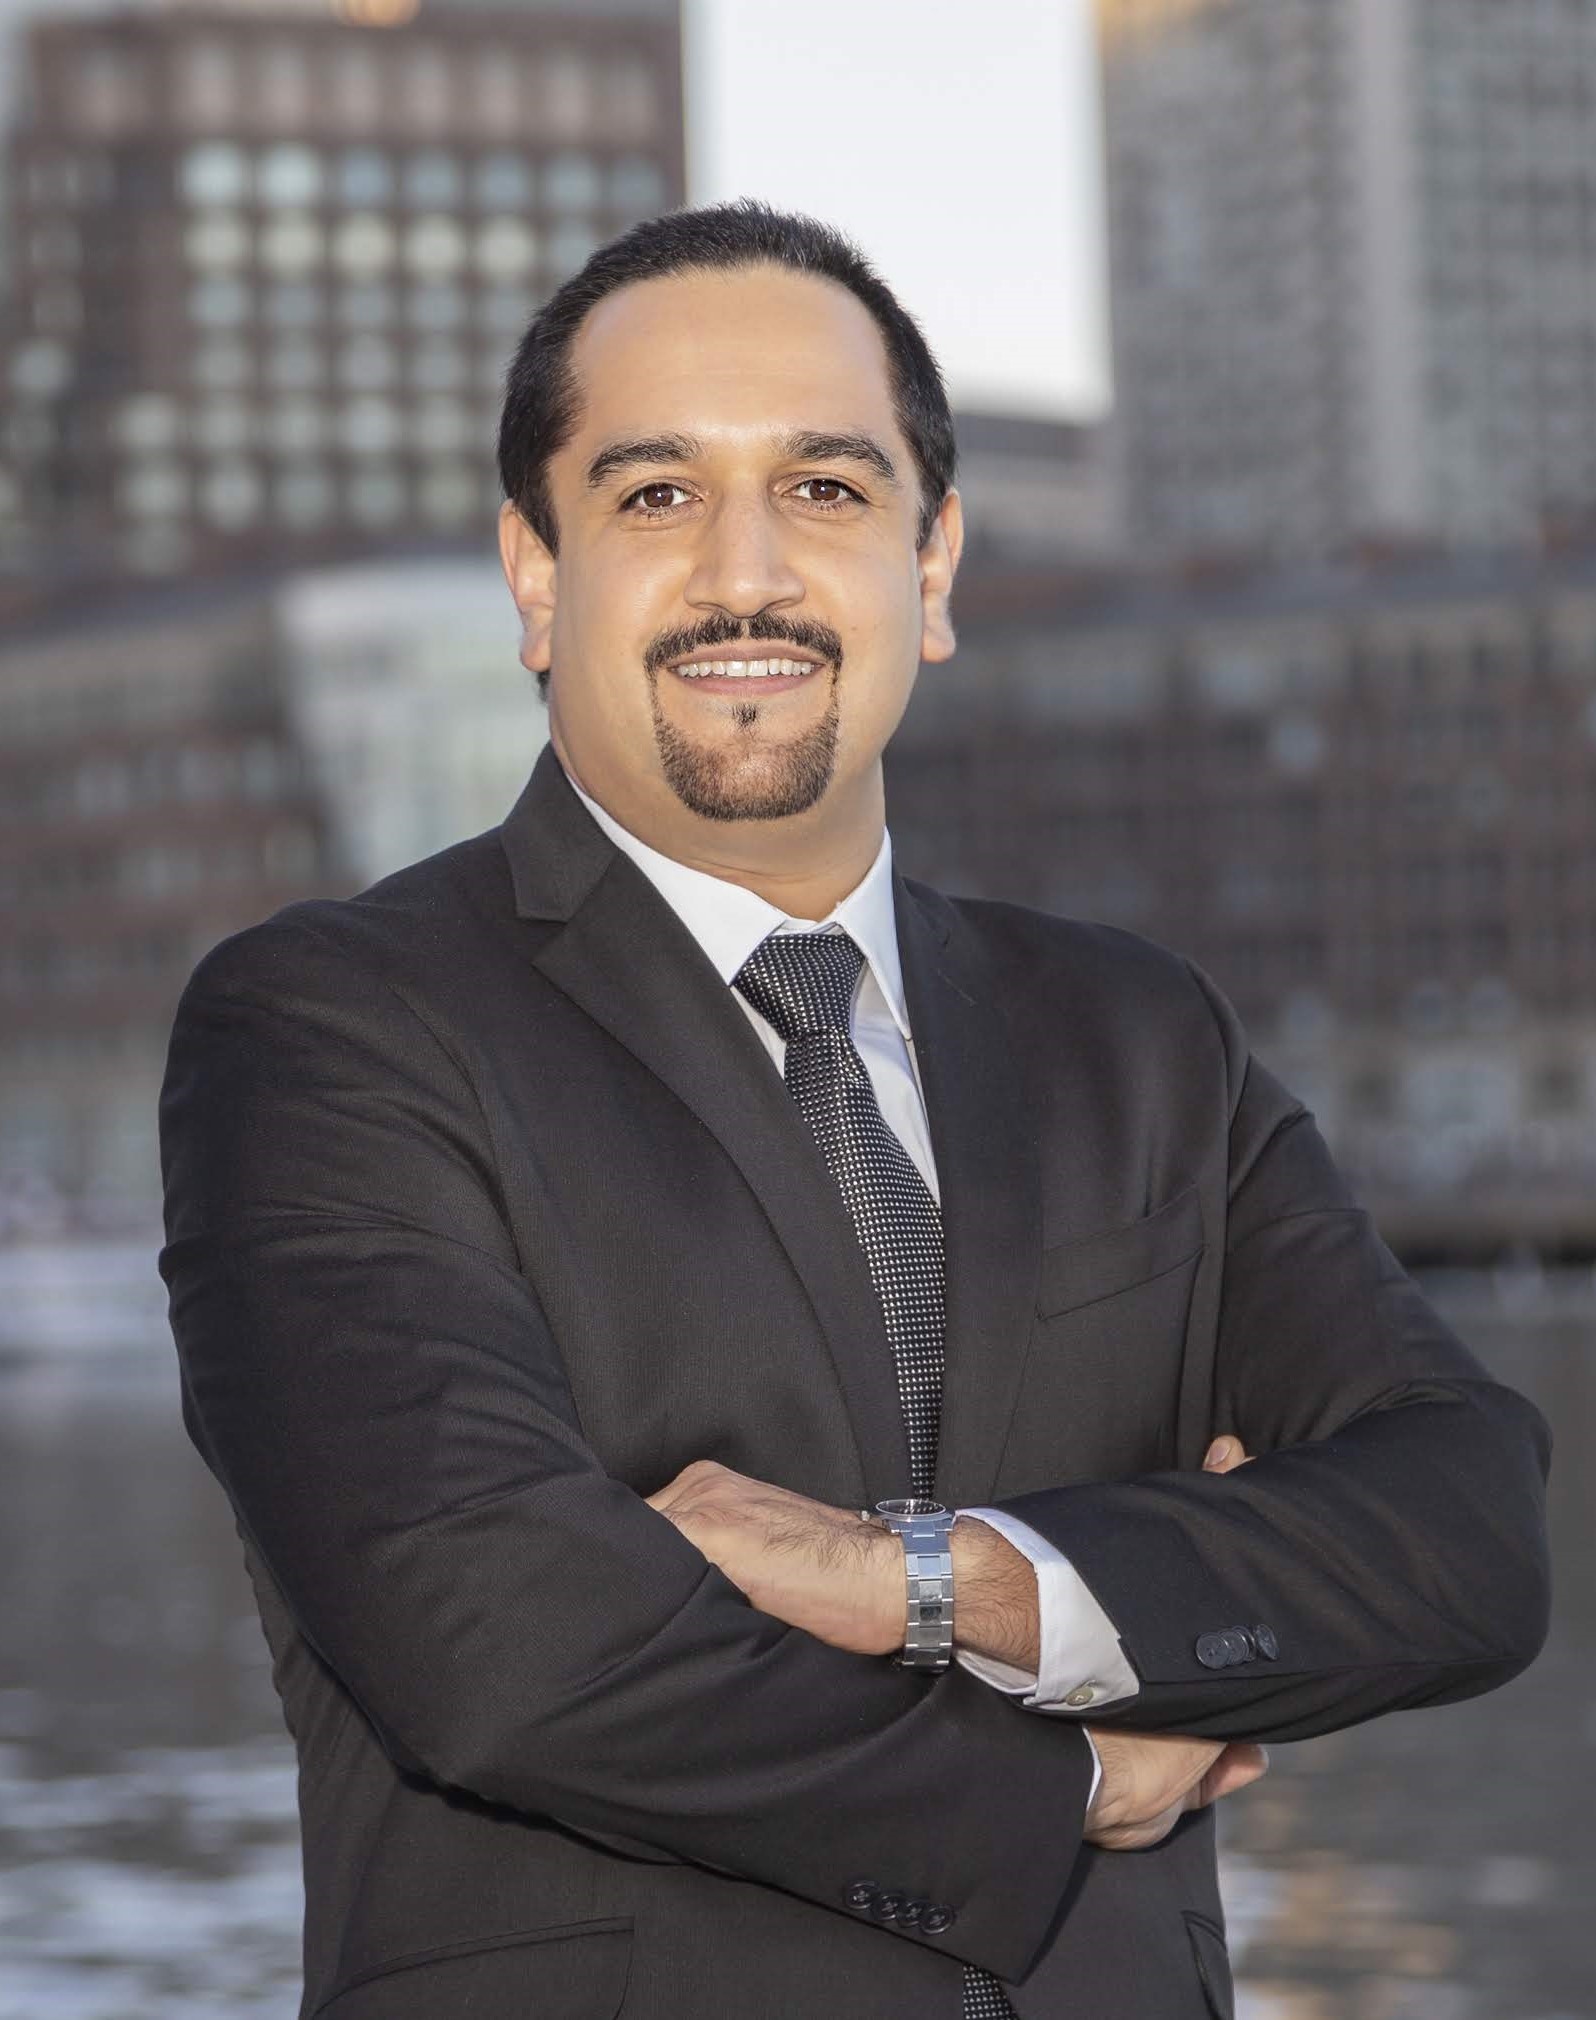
(542, 399)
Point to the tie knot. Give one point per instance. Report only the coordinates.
(802, 982)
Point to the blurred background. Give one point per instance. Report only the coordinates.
(1272, 329)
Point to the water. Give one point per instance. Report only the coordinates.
(1433, 1866)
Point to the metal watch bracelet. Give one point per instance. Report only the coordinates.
(923, 1528)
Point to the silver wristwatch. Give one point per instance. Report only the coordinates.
(928, 1563)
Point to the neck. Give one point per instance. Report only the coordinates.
(804, 865)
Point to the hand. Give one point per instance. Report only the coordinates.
(1151, 1779)
(815, 1567)
(1224, 1455)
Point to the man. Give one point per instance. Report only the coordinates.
(571, 1236)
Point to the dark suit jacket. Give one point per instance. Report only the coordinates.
(487, 1213)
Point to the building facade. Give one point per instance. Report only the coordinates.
(268, 264)
(1364, 801)
(1353, 256)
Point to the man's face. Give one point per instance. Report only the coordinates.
(738, 607)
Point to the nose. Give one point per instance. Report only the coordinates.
(742, 565)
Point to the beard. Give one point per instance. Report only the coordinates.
(749, 780)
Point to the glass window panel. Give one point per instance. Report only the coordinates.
(41, 369)
(377, 495)
(504, 182)
(207, 84)
(151, 490)
(436, 307)
(507, 311)
(569, 248)
(147, 421)
(357, 91)
(441, 426)
(366, 362)
(630, 102)
(291, 305)
(293, 362)
(432, 179)
(566, 82)
(637, 187)
(299, 427)
(283, 81)
(426, 94)
(230, 495)
(435, 246)
(217, 238)
(438, 366)
(449, 493)
(506, 248)
(56, 245)
(223, 425)
(370, 426)
(292, 243)
(364, 244)
(366, 304)
(290, 175)
(305, 496)
(498, 106)
(365, 176)
(571, 182)
(220, 300)
(222, 362)
(218, 173)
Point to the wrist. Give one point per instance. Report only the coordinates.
(999, 1611)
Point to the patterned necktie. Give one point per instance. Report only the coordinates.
(803, 985)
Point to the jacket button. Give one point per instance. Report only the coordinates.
(887, 1907)
(935, 1919)
(1268, 1646)
(1211, 1651)
(911, 1911)
(861, 1894)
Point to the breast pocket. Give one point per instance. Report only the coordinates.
(1100, 1394)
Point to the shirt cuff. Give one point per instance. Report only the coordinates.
(1083, 1668)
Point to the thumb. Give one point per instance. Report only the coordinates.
(1241, 1763)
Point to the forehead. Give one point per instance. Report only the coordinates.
(758, 349)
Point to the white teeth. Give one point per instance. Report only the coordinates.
(743, 669)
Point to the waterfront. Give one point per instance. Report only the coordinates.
(1434, 1866)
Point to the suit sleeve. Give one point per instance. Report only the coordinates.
(368, 1371)
(1390, 1537)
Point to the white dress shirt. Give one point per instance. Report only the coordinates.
(1082, 1664)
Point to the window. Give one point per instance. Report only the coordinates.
(366, 363)
(438, 366)
(370, 426)
(571, 182)
(292, 305)
(363, 244)
(366, 305)
(437, 306)
(42, 369)
(507, 311)
(630, 103)
(432, 180)
(304, 496)
(569, 248)
(505, 249)
(292, 243)
(425, 94)
(218, 173)
(290, 176)
(357, 90)
(497, 102)
(148, 421)
(207, 85)
(377, 495)
(284, 86)
(504, 182)
(109, 90)
(441, 426)
(365, 176)
(230, 495)
(295, 362)
(567, 94)
(637, 188)
(435, 247)
(299, 427)
(153, 490)
(448, 494)
(217, 238)
(223, 425)
(219, 301)
(222, 362)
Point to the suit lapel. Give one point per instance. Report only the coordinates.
(983, 1137)
(625, 959)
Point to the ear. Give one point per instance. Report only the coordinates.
(938, 563)
(529, 570)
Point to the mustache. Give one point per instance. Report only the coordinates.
(765, 627)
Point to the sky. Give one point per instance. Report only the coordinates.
(958, 143)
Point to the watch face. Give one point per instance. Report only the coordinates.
(910, 1509)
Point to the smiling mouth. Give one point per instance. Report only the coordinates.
(769, 668)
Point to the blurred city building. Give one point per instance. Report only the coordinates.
(178, 768)
(1353, 253)
(268, 263)
(1037, 490)
(1364, 798)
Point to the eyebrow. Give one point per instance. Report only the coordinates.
(803, 444)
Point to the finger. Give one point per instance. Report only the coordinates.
(1224, 1455)
(1241, 1764)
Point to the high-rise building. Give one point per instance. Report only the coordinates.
(1353, 255)
(268, 262)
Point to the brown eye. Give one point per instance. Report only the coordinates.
(826, 492)
(657, 497)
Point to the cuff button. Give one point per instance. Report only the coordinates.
(888, 1907)
(861, 1894)
(1083, 1696)
(937, 1918)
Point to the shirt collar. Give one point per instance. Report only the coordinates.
(729, 921)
